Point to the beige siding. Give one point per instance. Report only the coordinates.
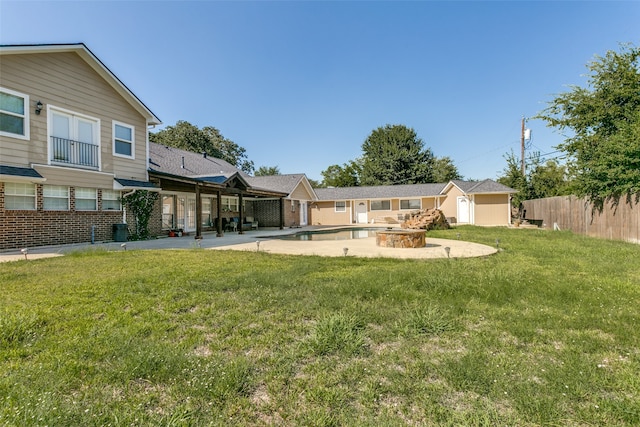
(491, 209)
(300, 193)
(66, 81)
(76, 177)
(323, 213)
(449, 204)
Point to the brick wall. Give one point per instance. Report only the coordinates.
(29, 228)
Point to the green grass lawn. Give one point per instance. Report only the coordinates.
(545, 332)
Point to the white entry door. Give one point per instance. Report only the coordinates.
(303, 213)
(463, 210)
(361, 211)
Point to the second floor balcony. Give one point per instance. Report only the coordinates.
(74, 153)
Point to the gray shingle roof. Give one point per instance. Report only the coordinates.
(179, 162)
(283, 183)
(174, 161)
(379, 192)
(483, 187)
(413, 190)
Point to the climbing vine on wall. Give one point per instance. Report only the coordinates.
(140, 203)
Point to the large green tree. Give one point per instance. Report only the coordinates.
(208, 140)
(394, 154)
(603, 124)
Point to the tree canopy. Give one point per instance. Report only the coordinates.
(603, 123)
(208, 140)
(394, 154)
(346, 175)
(444, 170)
(543, 179)
(267, 171)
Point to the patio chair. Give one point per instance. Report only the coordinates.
(252, 222)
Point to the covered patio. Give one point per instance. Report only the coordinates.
(209, 203)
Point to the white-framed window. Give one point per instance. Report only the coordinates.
(14, 114)
(123, 140)
(381, 205)
(19, 196)
(341, 206)
(111, 200)
(86, 199)
(410, 204)
(55, 198)
(230, 204)
(74, 139)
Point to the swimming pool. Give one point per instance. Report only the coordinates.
(334, 234)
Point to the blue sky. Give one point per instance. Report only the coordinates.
(301, 84)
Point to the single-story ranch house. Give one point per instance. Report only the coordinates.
(74, 140)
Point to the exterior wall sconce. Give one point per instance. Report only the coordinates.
(39, 106)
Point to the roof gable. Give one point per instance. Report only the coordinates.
(487, 186)
(289, 183)
(83, 52)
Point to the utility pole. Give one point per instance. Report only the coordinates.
(522, 148)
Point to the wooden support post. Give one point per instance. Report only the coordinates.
(219, 214)
(241, 211)
(198, 213)
(281, 213)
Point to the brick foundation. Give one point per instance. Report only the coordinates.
(30, 228)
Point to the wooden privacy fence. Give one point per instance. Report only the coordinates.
(620, 222)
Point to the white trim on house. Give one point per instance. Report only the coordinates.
(25, 116)
(115, 139)
(75, 119)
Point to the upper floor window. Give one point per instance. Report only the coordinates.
(123, 140)
(19, 196)
(86, 199)
(55, 198)
(14, 114)
(110, 200)
(341, 206)
(74, 139)
(381, 205)
(410, 204)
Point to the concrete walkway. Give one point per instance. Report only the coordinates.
(435, 248)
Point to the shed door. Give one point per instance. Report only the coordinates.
(463, 210)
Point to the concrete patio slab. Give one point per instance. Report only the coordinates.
(435, 248)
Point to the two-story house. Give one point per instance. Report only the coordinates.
(73, 140)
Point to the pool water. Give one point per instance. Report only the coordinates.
(335, 234)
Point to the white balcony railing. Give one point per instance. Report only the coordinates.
(74, 153)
